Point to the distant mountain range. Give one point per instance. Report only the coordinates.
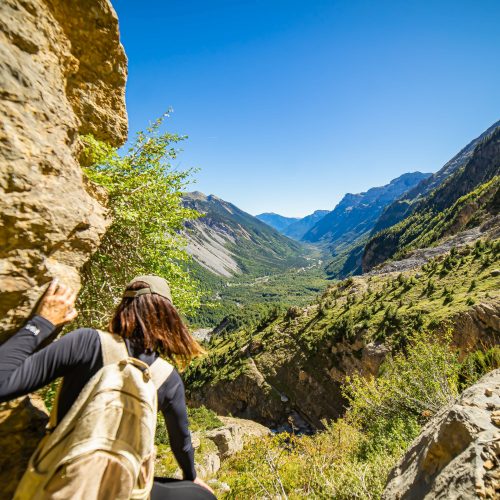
(293, 227)
(279, 222)
(463, 194)
(413, 211)
(356, 214)
(228, 241)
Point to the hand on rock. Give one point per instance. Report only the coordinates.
(202, 483)
(58, 304)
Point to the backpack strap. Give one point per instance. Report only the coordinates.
(113, 348)
(160, 371)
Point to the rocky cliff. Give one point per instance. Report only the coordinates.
(62, 75)
(457, 453)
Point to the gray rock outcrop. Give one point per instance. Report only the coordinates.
(457, 455)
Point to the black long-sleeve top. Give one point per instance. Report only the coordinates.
(77, 356)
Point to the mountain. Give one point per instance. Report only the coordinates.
(278, 222)
(462, 195)
(293, 227)
(296, 230)
(356, 214)
(228, 241)
(404, 206)
(295, 362)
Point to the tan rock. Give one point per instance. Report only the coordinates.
(236, 431)
(62, 73)
(444, 461)
(22, 425)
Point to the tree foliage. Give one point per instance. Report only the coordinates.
(144, 195)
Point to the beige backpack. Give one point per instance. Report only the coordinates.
(103, 448)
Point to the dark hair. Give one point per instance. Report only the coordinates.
(151, 322)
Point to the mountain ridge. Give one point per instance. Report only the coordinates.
(464, 198)
(228, 241)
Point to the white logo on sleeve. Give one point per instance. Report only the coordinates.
(33, 329)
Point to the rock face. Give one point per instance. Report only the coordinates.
(458, 453)
(62, 74)
(22, 425)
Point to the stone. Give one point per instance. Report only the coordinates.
(488, 464)
(22, 425)
(62, 75)
(447, 458)
(230, 438)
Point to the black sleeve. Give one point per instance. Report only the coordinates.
(22, 344)
(172, 402)
(23, 372)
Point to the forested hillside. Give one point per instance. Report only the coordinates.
(468, 197)
(425, 323)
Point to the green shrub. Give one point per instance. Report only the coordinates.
(352, 457)
(477, 364)
(144, 199)
(412, 385)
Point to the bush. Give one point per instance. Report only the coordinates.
(352, 457)
(411, 385)
(144, 199)
(478, 364)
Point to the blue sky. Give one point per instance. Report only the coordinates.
(290, 104)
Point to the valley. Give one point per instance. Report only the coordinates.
(411, 265)
(352, 353)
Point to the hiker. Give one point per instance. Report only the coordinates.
(112, 382)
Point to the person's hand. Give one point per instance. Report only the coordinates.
(58, 304)
(202, 483)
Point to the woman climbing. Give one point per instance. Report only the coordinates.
(100, 439)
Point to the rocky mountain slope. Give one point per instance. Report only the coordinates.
(405, 205)
(298, 229)
(466, 198)
(356, 214)
(62, 74)
(294, 364)
(228, 241)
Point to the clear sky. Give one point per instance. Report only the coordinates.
(290, 104)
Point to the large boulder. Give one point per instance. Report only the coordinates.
(457, 455)
(62, 75)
